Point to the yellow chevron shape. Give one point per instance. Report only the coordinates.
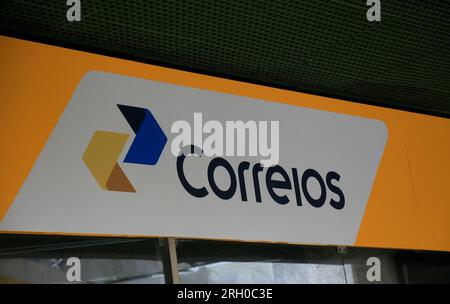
(101, 159)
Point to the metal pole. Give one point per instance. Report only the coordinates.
(170, 261)
(173, 260)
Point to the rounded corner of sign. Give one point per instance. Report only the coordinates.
(381, 128)
(90, 74)
(384, 127)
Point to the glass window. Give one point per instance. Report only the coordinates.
(232, 262)
(224, 262)
(44, 259)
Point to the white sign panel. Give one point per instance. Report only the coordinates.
(109, 168)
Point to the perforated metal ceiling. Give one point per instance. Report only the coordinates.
(322, 47)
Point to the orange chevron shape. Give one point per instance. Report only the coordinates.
(101, 159)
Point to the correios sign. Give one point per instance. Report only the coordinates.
(109, 167)
(141, 150)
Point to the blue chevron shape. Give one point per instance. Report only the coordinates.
(150, 139)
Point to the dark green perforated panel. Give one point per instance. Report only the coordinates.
(321, 47)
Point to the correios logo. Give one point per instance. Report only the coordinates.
(282, 184)
(105, 148)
